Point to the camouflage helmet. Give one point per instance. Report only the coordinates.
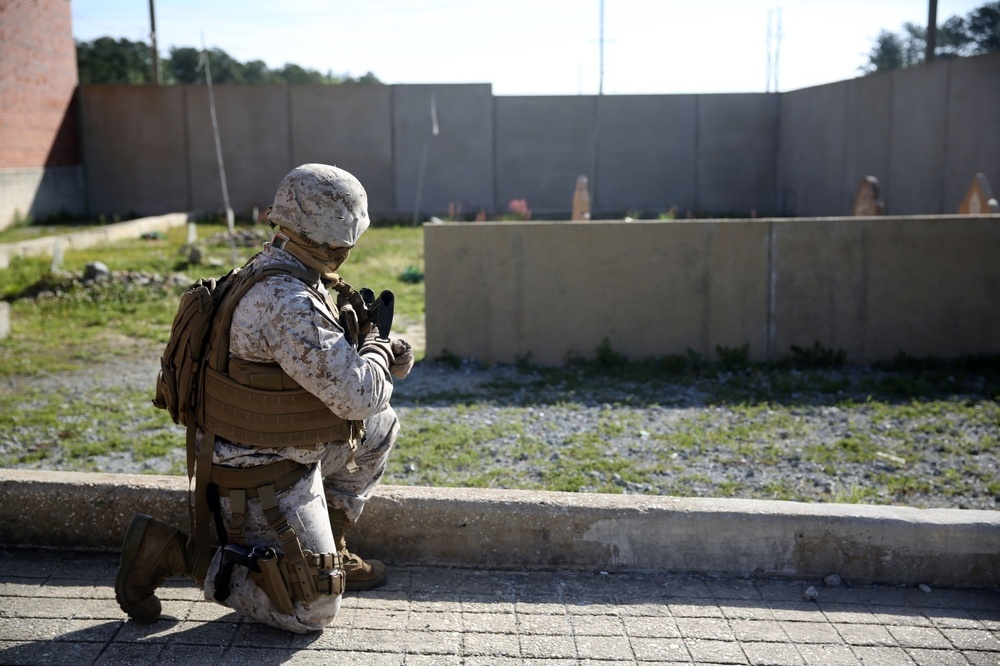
(322, 203)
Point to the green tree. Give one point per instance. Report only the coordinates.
(978, 33)
(183, 65)
(984, 27)
(106, 60)
(887, 54)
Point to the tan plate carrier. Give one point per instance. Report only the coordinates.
(259, 405)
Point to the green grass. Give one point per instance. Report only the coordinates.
(749, 415)
(75, 324)
(77, 429)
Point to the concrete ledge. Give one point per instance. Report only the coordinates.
(45, 246)
(513, 529)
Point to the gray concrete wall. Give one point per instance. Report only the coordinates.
(135, 149)
(458, 166)
(973, 132)
(542, 145)
(39, 193)
(350, 126)
(923, 132)
(501, 292)
(650, 170)
(737, 154)
(254, 128)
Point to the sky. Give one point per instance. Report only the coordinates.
(534, 47)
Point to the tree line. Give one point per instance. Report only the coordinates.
(107, 60)
(976, 33)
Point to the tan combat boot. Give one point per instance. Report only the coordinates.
(358, 573)
(151, 552)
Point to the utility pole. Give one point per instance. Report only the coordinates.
(597, 113)
(931, 30)
(600, 81)
(152, 34)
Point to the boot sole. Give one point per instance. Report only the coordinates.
(130, 550)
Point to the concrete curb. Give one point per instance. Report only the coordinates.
(113, 232)
(513, 529)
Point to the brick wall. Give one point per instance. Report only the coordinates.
(38, 122)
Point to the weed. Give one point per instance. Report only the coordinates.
(451, 359)
(607, 358)
(733, 358)
(817, 356)
(412, 275)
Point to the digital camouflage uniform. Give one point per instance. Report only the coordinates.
(284, 322)
(280, 320)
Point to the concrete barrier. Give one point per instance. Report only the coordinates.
(81, 239)
(503, 291)
(524, 530)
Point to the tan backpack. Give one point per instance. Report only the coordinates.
(183, 359)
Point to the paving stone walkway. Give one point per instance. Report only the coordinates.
(59, 608)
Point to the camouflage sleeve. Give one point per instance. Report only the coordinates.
(279, 320)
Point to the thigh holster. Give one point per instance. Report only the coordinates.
(296, 574)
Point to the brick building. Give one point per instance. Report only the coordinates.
(41, 174)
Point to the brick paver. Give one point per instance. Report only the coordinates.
(59, 608)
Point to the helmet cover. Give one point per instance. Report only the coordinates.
(322, 203)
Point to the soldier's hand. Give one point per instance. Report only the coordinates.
(402, 358)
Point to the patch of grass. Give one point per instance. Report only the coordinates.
(73, 430)
(76, 324)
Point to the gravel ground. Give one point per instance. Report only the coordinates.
(680, 436)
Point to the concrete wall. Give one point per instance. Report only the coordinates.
(500, 292)
(135, 145)
(924, 132)
(40, 192)
(459, 161)
(350, 126)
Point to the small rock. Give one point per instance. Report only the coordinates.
(96, 270)
(810, 594)
(924, 588)
(833, 580)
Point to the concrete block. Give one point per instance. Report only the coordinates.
(503, 291)
(817, 285)
(4, 319)
(933, 286)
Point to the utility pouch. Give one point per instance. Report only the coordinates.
(272, 582)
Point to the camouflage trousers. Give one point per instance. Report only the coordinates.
(304, 505)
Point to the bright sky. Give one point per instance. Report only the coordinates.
(533, 47)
